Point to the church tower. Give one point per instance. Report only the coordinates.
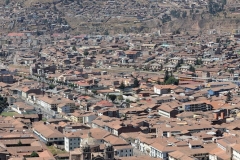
(109, 152)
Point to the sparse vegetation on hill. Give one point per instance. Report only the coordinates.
(101, 17)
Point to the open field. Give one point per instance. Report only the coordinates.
(55, 151)
(8, 114)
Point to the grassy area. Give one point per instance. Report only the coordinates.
(55, 151)
(10, 114)
(44, 119)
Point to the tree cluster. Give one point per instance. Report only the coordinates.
(51, 86)
(216, 7)
(3, 103)
(166, 18)
(175, 13)
(170, 79)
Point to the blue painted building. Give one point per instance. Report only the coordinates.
(216, 91)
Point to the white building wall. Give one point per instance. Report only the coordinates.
(220, 146)
(24, 94)
(171, 158)
(158, 154)
(212, 157)
(71, 143)
(124, 152)
(236, 155)
(143, 147)
(162, 113)
(157, 91)
(89, 119)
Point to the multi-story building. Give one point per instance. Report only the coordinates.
(196, 106)
(52, 102)
(47, 134)
(72, 140)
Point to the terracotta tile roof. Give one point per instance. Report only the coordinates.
(166, 86)
(15, 34)
(47, 131)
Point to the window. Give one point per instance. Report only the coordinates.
(121, 150)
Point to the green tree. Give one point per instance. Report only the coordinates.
(158, 81)
(225, 14)
(19, 143)
(128, 100)
(74, 48)
(136, 82)
(178, 65)
(166, 18)
(86, 53)
(106, 32)
(228, 97)
(120, 97)
(191, 68)
(231, 71)
(176, 32)
(215, 7)
(224, 2)
(54, 8)
(7, 2)
(94, 91)
(122, 85)
(34, 154)
(172, 80)
(3, 103)
(51, 86)
(166, 76)
(199, 62)
(112, 97)
(181, 61)
(71, 85)
(218, 40)
(175, 13)
(184, 14)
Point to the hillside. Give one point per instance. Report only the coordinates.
(113, 17)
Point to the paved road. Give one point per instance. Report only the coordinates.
(39, 109)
